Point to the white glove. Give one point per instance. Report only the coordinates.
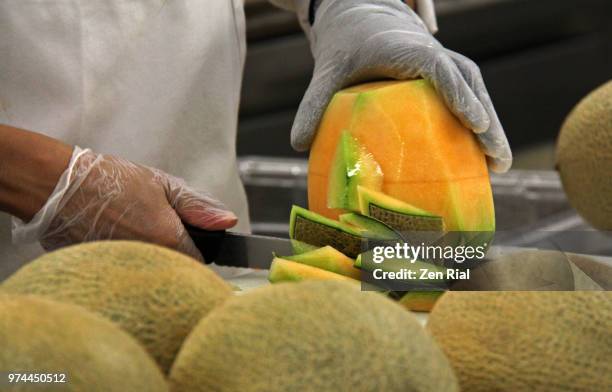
(102, 197)
(354, 41)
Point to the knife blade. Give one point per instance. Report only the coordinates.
(239, 249)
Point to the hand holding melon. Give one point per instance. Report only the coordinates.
(355, 41)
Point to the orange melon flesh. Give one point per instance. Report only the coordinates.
(428, 158)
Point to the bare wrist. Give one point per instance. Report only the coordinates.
(30, 166)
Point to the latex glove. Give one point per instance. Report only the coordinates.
(102, 197)
(353, 41)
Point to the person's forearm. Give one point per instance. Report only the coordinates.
(30, 166)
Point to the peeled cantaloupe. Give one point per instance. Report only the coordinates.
(427, 157)
(154, 293)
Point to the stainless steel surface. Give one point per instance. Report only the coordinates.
(530, 206)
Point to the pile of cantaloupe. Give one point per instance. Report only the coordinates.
(128, 316)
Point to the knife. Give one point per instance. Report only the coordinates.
(239, 249)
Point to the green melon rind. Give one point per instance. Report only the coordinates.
(358, 261)
(300, 247)
(374, 228)
(397, 214)
(338, 179)
(317, 230)
(329, 259)
(352, 166)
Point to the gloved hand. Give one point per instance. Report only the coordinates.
(104, 197)
(353, 41)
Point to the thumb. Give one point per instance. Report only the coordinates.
(200, 209)
(318, 95)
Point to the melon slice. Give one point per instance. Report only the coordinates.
(373, 228)
(420, 301)
(314, 229)
(395, 213)
(329, 259)
(282, 270)
(300, 247)
(365, 261)
(353, 166)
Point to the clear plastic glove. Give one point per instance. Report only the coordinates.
(102, 197)
(353, 41)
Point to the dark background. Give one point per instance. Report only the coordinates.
(538, 58)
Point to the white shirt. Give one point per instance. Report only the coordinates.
(153, 81)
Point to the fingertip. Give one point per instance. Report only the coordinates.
(302, 133)
(299, 144)
(476, 117)
(482, 125)
(499, 165)
(222, 222)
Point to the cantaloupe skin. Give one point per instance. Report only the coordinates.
(318, 230)
(154, 293)
(310, 336)
(584, 157)
(42, 336)
(526, 341)
(427, 157)
(371, 227)
(399, 215)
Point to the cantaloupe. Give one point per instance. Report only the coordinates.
(428, 158)
(420, 301)
(584, 157)
(154, 293)
(329, 259)
(366, 262)
(399, 215)
(526, 341)
(310, 336)
(314, 229)
(62, 340)
(282, 270)
(353, 167)
(372, 228)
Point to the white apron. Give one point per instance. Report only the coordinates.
(153, 81)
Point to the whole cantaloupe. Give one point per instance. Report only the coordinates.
(310, 336)
(154, 293)
(584, 157)
(526, 341)
(42, 336)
